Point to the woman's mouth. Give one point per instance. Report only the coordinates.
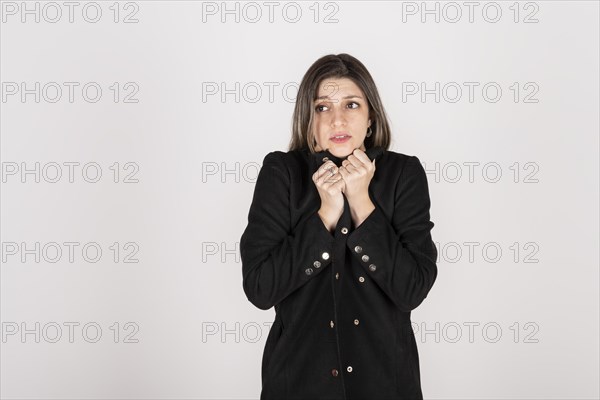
(340, 138)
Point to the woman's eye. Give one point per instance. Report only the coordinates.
(321, 107)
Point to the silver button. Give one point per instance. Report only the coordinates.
(317, 264)
(308, 271)
(372, 267)
(357, 249)
(355, 322)
(344, 230)
(331, 324)
(325, 159)
(365, 258)
(325, 256)
(337, 275)
(361, 279)
(349, 369)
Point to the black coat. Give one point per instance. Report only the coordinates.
(343, 300)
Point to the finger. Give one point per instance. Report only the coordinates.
(340, 183)
(326, 165)
(344, 172)
(361, 156)
(326, 170)
(347, 163)
(329, 177)
(331, 173)
(356, 162)
(333, 185)
(350, 168)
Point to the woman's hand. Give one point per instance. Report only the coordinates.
(357, 170)
(330, 185)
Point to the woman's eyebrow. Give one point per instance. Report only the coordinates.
(352, 96)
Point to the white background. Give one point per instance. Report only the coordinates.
(533, 308)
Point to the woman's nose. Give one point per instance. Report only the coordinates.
(337, 117)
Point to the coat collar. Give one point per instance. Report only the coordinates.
(320, 157)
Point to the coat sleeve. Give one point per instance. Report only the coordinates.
(401, 256)
(277, 258)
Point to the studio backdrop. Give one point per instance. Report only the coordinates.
(132, 134)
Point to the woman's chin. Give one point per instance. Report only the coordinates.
(342, 150)
(339, 153)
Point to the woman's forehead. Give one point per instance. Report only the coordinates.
(336, 88)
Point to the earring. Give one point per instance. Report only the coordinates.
(369, 131)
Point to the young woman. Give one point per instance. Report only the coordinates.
(339, 242)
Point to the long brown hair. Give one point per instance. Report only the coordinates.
(337, 66)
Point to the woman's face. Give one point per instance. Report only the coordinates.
(341, 117)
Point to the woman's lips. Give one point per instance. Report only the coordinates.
(341, 139)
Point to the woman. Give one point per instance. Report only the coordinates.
(339, 242)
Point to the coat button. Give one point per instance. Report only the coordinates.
(308, 271)
(317, 264)
(355, 322)
(334, 372)
(344, 230)
(372, 267)
(361, 279)
(337, 275)
(365, 258)
(349, 369)
(331, 324)
(325, 256)
(325, 159)
(357, 249)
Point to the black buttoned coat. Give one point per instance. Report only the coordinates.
(343, 299)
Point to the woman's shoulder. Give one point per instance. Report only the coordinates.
(286, 158)
(397, 161)
(396, 157)
(405, 164)
(288, 163)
